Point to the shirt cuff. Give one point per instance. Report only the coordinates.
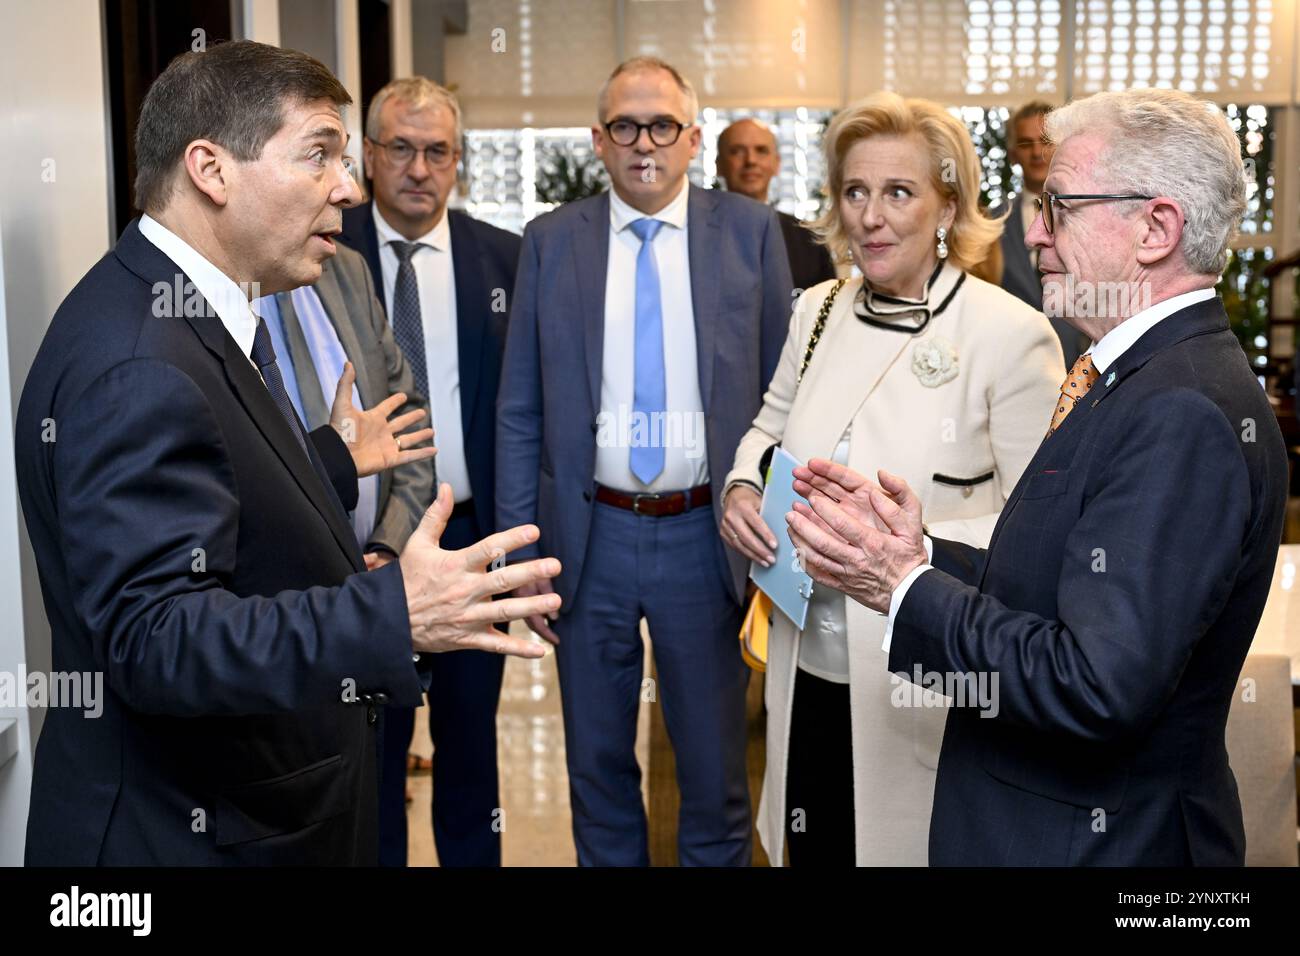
(900, 592)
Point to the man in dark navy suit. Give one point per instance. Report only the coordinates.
(1105, 627)
(191, 535)
(445, 279)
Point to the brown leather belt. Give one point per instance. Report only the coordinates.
(661, 505)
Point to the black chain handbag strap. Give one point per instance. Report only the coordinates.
(818, 326)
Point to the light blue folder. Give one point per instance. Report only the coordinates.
(785, 582)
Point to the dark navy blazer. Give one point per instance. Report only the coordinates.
(1116, 603)
(192, 552)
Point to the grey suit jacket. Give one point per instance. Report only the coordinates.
(348, 295)
(550, 380)
(1020, 278)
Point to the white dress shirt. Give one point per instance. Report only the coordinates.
(686, 461)
(227, 299)
(436, 279)
(1104, 354)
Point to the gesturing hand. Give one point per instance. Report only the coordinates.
(375, 440)
(449, 593)
(854, 535)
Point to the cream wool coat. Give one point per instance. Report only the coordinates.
(990, 417)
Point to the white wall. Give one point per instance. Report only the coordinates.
(54, 225)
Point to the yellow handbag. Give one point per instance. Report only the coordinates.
(753, 632)
(758, 618)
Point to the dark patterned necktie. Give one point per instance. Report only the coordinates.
(264, 359)
(408, 324)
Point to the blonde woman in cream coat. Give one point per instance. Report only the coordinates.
(932, 374)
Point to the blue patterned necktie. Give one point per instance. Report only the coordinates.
(649, 391)
(264, 358)
(408, 324)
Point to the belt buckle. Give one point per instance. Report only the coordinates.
(638, 498)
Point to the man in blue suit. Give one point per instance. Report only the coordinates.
(645, 326)
(1105, 626)
(445, 279)
(191, 534)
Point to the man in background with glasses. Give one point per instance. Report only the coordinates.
(646, 324)
(445, 279)
(1029, 148)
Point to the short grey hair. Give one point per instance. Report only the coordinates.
(1167, 143)
(420, 93)
(649, 64)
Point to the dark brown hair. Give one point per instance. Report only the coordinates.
(1030, 109)
(233, 94)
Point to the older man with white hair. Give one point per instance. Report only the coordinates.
(1103, 629)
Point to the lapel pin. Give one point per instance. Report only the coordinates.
(1110, 378)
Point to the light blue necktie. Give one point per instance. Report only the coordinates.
(649, 392)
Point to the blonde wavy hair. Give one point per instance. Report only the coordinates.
(954, 170)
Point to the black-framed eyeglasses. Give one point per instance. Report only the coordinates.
(1047, 209)
(663, 132)
(400, 152)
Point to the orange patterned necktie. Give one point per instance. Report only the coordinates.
(1077, 384)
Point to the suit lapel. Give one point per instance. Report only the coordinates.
(336, 310)
(359, 232)
(370, 391)
(591, 263)
(473, 303)
(304, 369)
(1201, 318)
(253, 395)
(704, 240)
